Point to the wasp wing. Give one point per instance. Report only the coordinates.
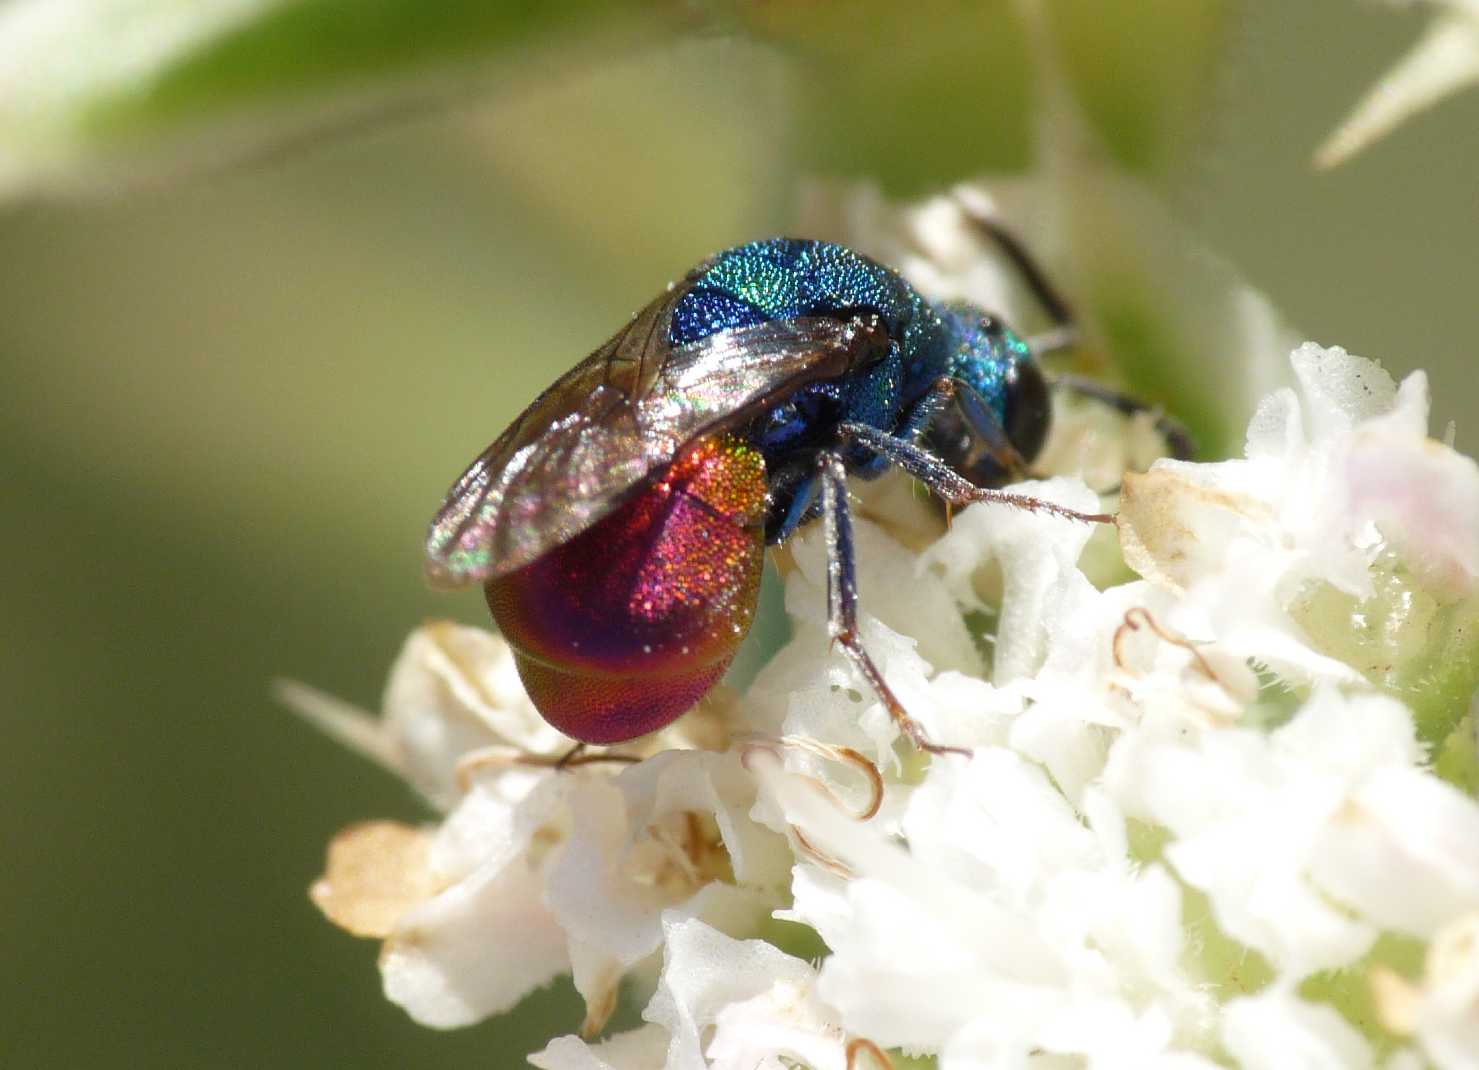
(613, 420)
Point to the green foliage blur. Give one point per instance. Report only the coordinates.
(260, 301)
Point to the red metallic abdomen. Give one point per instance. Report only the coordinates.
(623, 628)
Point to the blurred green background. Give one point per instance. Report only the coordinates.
(234, 389)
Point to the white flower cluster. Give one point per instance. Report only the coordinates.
(1199, 825)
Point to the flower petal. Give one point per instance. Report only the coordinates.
(1277, 1031)
(1425, 499)
(485, 942)
(1175, 528)
(645, 842)
(636, 1049)
(376, 872)
(454, 690)
(1036, 551)
(760, 1002)
(1445, 60)
(1443, 1011)
(1402, 821)
(475, 950)
(1249, 812)
(1340, 390)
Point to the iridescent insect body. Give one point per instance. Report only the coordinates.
(619, 525)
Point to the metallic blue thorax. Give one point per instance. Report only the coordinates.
(781, 278)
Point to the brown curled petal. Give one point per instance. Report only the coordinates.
(749, 748)
(599, 758)
(874, 777)
(1117, 652)
(771, 746)
(601, 1004)
(858, 1046)
(1116, 645)
(375, 872)
(1173, 639)
(475, 761)
(820, 857)
(1139, 617)
(829, 752)
(681, 851)
(1173, 529)
(500, 757)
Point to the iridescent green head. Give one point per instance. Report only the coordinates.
(998, 364)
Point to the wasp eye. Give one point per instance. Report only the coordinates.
(1027, 409)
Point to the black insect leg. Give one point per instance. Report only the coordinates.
(986, 431)
(842, 599)
(944, 481)
(576, 756)
(985, 427)
(1015, 250)
(1054, 340)
(1065, 334)
(1177, 437)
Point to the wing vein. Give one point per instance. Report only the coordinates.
(585, 444)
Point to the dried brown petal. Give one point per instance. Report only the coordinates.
(1173, 529)
(376, 871)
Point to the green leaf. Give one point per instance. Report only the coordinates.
(913, 95)
(95, 87)
(919, 94)
(1144, 75)
(909, 95)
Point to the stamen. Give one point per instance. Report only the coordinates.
(500, 756)
(858, 1046)
(474, 762)
(1143, 614)
(1138, 617)
(772, 746)
(820, 857)
(680, 853)
(829, 752)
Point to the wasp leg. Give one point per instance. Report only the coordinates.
(987, 429)
(984, 426)
(803, 494)
(944, 481)
(842, 600)
(501, 757)
(1065, 333)
(576, 756)
(1177, 437)
(1013, 248)
(1056, 340)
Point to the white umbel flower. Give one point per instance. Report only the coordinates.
(1199, 826)
(567, 873)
